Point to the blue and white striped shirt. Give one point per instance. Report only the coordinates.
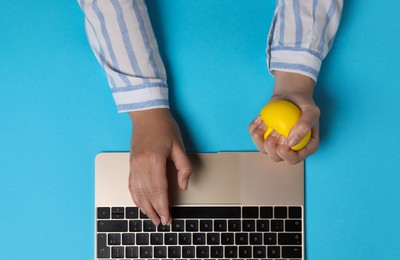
(301, 35)
(121, 36)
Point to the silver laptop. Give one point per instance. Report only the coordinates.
(237, 206)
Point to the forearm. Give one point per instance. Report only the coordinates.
(121, 36)
(301, 35)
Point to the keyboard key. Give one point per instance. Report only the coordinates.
(117, 252)
(148, 226)
(241, 238)
(295, 212)
(142, 238)
(213, 239)
(146, 252)
(112, 226)
(250, 212)
(131, 252)
(132, 212)
(216, 251)
(269, 238)
(234, 225)
(202, 252)
(231, 252)
(174, 252)
(205, 212)
(255, 239)
(227, 239)
(128, 239)
(263, 225)
(192, 225)
(114, 239)
(185, 238)
(293, 225)
(117, 212)
(160, 252)
(291, 252)
(259, 252)
(280, 212)
(135, 225)
(220, 225)
(103, 213)
(245, 251)
(164, 228)
(206, 225)
(274, 252)
(178, 225)
(266, 212)
(249, 225)
(188, 252)
(289, 238)
(199, 238)
(276, 225)
(156, 238)
(170, 238)
(103, 251)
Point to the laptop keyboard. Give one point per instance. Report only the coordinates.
(223, 232)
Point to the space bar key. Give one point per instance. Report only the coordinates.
(206, 212)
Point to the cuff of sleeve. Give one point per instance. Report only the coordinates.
(141, 97)
(294, 60)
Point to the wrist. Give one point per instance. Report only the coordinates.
(289, 83)
(148, 116)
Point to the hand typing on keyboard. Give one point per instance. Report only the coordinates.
(155, 139)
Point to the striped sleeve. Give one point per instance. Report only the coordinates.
(301, 35)
(122, 39)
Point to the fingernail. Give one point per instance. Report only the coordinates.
(261, 126)
(282, 140)
(274, 134)
(163, 221)
(293, 140)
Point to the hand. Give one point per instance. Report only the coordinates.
(298, 89)
(155, 139)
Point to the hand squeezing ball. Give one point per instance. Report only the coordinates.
(281, 116)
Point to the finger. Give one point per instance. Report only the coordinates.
(286, 153)
(182, 165)
(257, 129)
(148, 185)
(148, 210)
(159, 192)
(140, 198)
(308, 119)
(270, 145)
(312, 145)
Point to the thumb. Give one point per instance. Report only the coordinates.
(182, 165)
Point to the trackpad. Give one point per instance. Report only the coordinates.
(215, 180)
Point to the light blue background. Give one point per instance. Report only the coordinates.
(57, 113)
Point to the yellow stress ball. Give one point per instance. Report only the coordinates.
(281, 116)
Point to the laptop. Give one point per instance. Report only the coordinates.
(237, 206)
